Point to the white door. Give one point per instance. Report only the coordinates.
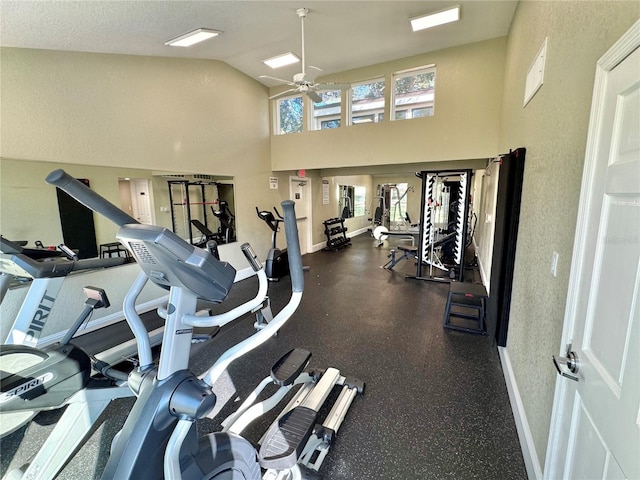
(141, 201)
(595, 431)
(300, 192)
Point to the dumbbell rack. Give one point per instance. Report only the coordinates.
(336, 234)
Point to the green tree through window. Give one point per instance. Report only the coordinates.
(290, 114)
(415, 83)
(413, 93)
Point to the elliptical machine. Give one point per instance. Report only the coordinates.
(159, 438)
(277, 263)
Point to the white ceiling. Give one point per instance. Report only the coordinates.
(340, 35)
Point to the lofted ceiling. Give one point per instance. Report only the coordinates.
(339, 35)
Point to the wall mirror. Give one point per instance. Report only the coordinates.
(197, 207)
(351, 201)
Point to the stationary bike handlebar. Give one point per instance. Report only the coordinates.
(21, 265)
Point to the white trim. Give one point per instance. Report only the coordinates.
(355, 233)
(118, 316)
(316, 247)
(309, 207)
(104, 321)
(556, 445)
(244, 274)
(534, 471)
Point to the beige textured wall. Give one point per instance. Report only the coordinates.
(468, 96)
(29, 207)
(553, 128)
(142, 112)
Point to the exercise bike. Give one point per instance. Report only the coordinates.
(47, 270)
(159, 436)
(277, 263)
(34, 380)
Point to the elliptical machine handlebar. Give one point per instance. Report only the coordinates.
(251, 257)
(293, 246)
(88, 197)
(297, 287)
(297, 278)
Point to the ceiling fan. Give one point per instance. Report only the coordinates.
(302, 83)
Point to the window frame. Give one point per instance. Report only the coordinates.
(315, 123)
(409, 108)
(277, 114)
(374, 111)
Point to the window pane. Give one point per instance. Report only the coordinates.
(416, 91)
(422, 112)
(290, 115)
(359, 200)
(398, 205)
(326, 113)
(367, 102)
(326, 124)
(363, 119)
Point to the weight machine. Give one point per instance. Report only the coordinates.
(443, 223)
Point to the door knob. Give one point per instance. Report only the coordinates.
(570, 360)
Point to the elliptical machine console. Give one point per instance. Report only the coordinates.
(277, 263)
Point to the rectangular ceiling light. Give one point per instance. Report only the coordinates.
(282, 60)
(437, 18)
(192, 38)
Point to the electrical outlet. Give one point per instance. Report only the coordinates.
(554, 263)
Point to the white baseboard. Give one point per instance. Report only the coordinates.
(483, 274)
(319, 246)
(119, 315)
(531, 462)
(355, 233)
(106, 320)
(244, 274)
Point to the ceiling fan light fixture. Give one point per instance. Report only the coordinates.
(278, 61)
(436, 18)
(196, 36)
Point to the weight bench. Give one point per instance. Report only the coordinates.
(409, 252)
(412, 252)
(207, 234)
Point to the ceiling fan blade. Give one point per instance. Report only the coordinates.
(283, 94)
(332, 86)
(288, 82)
(314, 96)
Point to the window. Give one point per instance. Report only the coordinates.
(367, 102)
(413, 93)
(289, 115)
(326, 114)
(351, 202)
(359, 201)
(398, 203)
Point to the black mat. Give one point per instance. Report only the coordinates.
(435, 404)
